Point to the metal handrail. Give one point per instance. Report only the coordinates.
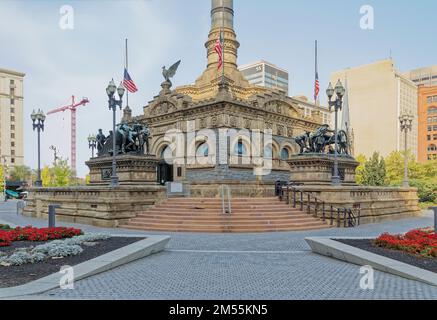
(226, 206)
(312, 207)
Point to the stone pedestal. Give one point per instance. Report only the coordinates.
(317, 169)
(131, 169)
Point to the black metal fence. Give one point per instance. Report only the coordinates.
(307, 202)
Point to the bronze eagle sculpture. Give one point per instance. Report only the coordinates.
(170, 72)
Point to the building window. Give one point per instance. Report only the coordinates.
(12, 110)
(428, 137)
(166, 153)
(13, 127)
(12, 144)
(432, 147)
(12, 160)
(432, 110)
(285, 154)
(12, 152)
(432, 119)
(202, 150)
(240, 149)
(12, 118)
(12, 135)
(12, 101)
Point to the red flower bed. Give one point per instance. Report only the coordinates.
(419, 242)
(30, 233)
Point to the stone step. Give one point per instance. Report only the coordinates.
(253, 215)
(211, 221)
(219, 212)
(196, 229)
(219, 206)
(205, 215)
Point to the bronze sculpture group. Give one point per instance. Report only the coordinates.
(322, 141)
(132, 139)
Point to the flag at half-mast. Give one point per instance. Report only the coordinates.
(219, 50)
(128, 82)
(316, 83)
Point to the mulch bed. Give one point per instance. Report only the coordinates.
(429, 264)
(17, 275)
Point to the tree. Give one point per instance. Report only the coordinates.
(374, 173)
(2, 178)
(360, 169)
(46, 177)
(60, 175)
(20, 173)
(395, 168)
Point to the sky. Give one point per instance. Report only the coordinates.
(81, 61)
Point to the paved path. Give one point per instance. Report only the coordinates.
(241, 266)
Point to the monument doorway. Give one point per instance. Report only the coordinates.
(165, 172)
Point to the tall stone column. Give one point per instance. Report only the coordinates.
(222, 17)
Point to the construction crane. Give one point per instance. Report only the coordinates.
(72, 108)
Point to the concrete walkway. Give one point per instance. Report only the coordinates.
(241, 266)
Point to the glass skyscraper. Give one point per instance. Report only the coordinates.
(263, 73)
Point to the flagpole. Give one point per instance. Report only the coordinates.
(126, 67)
(316, 74)
(223, 40)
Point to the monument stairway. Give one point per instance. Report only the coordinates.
(205, 215)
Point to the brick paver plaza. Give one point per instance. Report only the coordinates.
(241, 266)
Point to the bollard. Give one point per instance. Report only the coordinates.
(20, 206)
(52, 214)
(435, 217)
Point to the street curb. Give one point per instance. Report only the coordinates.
(328, 247)
(105, 262)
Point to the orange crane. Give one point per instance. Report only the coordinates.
(72, 108)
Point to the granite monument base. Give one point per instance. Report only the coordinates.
(131, 169)
(317, 169)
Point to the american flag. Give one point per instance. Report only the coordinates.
(316, 87)
(316, 84)
(128, 83)
(219, 50)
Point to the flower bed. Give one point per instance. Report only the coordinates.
(30, 233)
(421, 242)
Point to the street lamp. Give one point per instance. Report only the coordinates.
(113, 103)
(38, 119)
(339, 91)
(92, 143)
(406, 121)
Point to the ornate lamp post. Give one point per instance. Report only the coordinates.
(406, 122)
(38, 119)
(339, 90)
(113, 103)
(92, 143)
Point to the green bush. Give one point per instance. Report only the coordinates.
(426, 190)
(5, 227)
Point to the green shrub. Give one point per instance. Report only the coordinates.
(426, 190)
